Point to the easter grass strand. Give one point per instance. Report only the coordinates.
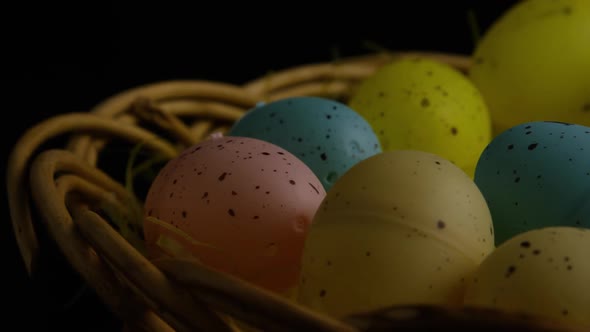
(473, 27)
(74, 299)
(374, 47)
(151, 167)
(129, 168)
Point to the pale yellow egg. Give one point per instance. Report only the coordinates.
(542, 272)
(533, 64)
(401, 227)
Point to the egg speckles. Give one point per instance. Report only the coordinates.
(536, 174)
(399, 227)
(421, 104)
(240, 205)
(542, 272)
(325, 134)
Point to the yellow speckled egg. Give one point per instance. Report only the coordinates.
(400, 227)
(533, 64)
(422, 104)
(544, 271)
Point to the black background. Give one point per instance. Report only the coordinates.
(67, 57)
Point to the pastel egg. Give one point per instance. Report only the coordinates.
(325, 134)
(239, 205)
(536, 174)
(401, 227)
(542, 272)
(422, 104)
(532, 63)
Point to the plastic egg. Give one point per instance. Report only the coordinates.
(534, 175)
(327, 135)
(239, 205)
(532, 64)
(422, 104)
(401, 227)
(539, 272)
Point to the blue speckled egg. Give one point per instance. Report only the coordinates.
(327, 135)
(534, 175)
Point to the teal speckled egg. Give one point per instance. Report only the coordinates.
(328, 136)
(534, 175)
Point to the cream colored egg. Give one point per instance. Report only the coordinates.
(543, 271)
(401, 227)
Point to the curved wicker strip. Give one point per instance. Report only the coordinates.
(91, 150)
(163, 91)
(272, 313)
(150, 280)
(19, 159)
(146, 110)
(50, 201)
(431, 318)
(329, 89)
(51, 204)
(246, 302)
(230, 94)
(350, 69)
(70, 193)
(201, 109)
(202, 129)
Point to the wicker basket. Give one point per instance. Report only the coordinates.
(62, 184)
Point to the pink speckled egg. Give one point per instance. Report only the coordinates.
(239, 205)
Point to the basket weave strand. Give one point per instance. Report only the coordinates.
(68, 190)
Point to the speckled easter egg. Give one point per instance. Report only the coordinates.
(401, 227)
(532, 63)
(239, 205)
(325, 134)
(422, 104)
(542, 272)
(536, 174)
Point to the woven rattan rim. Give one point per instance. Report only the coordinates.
(172, 294)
